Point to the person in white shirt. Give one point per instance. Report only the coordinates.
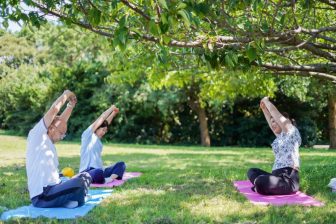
(284, 178)
(45, 187)
(92, 147)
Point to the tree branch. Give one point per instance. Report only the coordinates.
(325, 46)
(288, 38)
(329, 2)
(328, 55)
(323, 68)
(81, 24)
(321, 30)
(330, 39)
(308, 74)
(313, 49)
(136, 9)
(94, 6)
(300, 45)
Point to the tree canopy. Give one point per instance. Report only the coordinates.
(211, 51)
(284, 37)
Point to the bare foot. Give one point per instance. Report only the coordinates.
(111, 178)
(71, 204)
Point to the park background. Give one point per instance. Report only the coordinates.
(157, 106)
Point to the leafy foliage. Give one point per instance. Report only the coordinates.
(295, 38)
(153, 96)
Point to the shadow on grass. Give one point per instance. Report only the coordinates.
(186, 187)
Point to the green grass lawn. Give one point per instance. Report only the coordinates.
(178, 185)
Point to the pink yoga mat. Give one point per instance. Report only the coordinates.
(115, 183)
(299, 198)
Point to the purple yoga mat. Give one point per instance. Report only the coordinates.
(299, 198)
(115, 183)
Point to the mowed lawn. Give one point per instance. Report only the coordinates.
(178, 185)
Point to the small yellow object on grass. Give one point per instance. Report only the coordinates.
(68, 172)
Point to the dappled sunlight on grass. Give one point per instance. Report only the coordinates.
(179, 184)
(132, 196)
(219, 207)
(258, 161)
(318, 153)
(8, 173)
(167, 151)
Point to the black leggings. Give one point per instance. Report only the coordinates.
(279, 182)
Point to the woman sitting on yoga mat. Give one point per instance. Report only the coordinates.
(92, 148)
(284, 178)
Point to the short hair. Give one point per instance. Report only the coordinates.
(286, 115)
(104, 124)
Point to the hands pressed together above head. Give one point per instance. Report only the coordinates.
(263, 102)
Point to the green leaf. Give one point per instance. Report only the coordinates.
(5, 23)
(185, 17)
(94, 16)
(248, 26)
(164, 19)
(265, 27)
(234, 57)
(172, 21)
(166, 39)
(257, 4)
(122, 37)
(228, 61)
(251, 53)
(27, 2)
(164, 28)
(162, 56)
(34, 18)
(122, 21)
(240, 26)
(115, 41)
(138, 34)
(282, 20)
(67, 21)
(154, 28)
(24, 17)
(49, 3)
(260, 44)
(163, 3)
(181, 5)
(114, 3)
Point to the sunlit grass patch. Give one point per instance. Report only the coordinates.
(178, 184)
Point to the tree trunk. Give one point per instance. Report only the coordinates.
(332, 119)
(203, 124)
(202, 119)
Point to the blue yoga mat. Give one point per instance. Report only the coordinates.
(58, 213)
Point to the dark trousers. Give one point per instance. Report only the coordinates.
(98, 175)
(58, 195)
(279, 182)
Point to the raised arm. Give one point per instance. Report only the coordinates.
(284, 122)
(56, 107)
(267, 115)
(115, 111)
(95, 125)
(68, 110)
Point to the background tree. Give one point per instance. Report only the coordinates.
(199, 82)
